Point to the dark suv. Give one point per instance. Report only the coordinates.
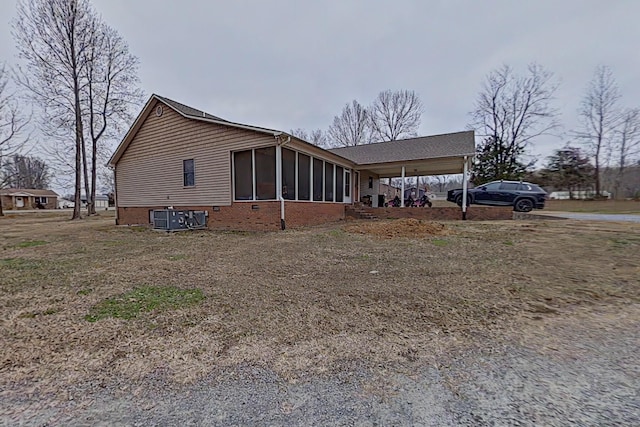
(523, 196)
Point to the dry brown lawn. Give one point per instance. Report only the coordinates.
(298, 302)
(594, 206)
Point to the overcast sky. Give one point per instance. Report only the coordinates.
(286, 64)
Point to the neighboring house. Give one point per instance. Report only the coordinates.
(102, 201)
(23, 199)
(579, 195)
(253, 178)
(389, 191)
(65, 203)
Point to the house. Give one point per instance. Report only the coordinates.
(101, 201)
(253, 178)
(65, 203)
(579, 194)
(23, 199)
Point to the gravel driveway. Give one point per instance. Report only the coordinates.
(580, 368)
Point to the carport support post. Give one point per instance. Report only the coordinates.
(279, 183)
(402, 189)
(465, 173)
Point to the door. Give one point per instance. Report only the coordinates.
(19, 202)
(508, 193)
(347, 186)
(487, 194)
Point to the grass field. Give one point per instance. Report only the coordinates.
(595, 206)
(91, 301)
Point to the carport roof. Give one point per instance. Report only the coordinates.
(458, 144)
(425, 155)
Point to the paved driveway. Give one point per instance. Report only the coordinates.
(595, 216)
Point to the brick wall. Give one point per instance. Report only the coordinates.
(245, 216)
(477, 213)
(300, 214)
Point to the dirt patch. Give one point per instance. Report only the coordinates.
(407, 227)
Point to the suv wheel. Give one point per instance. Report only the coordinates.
(459, 200)
(523, 205)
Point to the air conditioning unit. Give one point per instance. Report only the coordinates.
(176, 220)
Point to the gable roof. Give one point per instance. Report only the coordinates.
(424, 147)
(26, 192)
(184, 111)
(450, 145)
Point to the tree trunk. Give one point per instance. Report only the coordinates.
(85, 173)
(94, 155)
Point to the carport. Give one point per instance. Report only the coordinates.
(422, 156)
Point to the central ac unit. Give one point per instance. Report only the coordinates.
(176, 220)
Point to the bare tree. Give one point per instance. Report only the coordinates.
(599, 116)
(52, 37)
(439, 182)
(300, 133)
(628, 145)
(509, 113)
(12, 126)
(25, 172)
(395, 114)
(110, 92)
(80, 72)
(316, 137)
(351, 127)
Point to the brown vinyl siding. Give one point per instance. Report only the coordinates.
(150, 172)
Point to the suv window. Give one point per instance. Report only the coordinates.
(530, 187)
(509, 186)
(492, 186)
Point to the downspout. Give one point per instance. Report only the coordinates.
(279, 178)
(465, 186)
(402, 188)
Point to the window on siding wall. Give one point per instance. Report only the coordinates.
(289, 174)
(304, 174)
(265, 164)
(317, 180)
(243, 179)
(189, 173)
(339, 183)
(328, 182)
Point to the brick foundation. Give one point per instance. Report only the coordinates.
(248, 216)
(477, 213)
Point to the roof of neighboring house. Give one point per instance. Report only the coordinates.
(425, 147)
(83, 197)
(26, 192)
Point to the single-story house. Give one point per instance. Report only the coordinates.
(102, 201)
(28, 198)
(65, 203)
(253, 178)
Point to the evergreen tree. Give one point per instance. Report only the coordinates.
(568, 169)
(498, 160)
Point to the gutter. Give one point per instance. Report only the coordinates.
(279, 196)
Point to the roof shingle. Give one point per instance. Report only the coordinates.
(424, 147)
(29, 191)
